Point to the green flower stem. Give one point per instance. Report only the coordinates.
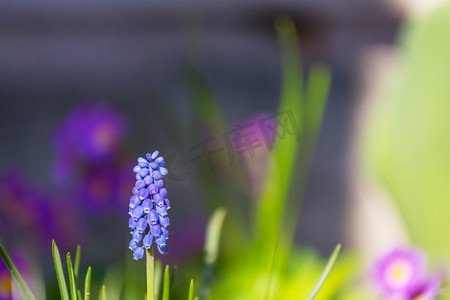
(150, 262)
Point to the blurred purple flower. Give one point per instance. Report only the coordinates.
(188, 240)
(92, 133)
(67, 222)
(5, 283)
(24, 209)
(427, 289)
(103, 189)
(400, 271)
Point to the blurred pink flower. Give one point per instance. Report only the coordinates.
(399, 271)
(426, 290)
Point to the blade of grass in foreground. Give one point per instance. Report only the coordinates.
(325, 273)
(103, 293)
(22, 287)
(212, 241)
(87, 285)
(72, 284)
(59, 272)
(166, 284)
(191, 290)
(114, 281)
(173, 276)
(76, 266)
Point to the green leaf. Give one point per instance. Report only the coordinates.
(166, 284)
(282, 160)
(20, 284)
(213, 232)
(87, 285)
(59, 272)
(406, 141)
(319, 81)
(173, 276)
(276, 218)
(76, 266)
(103, 293)
(72, 284)
(325, 273)
(206, 105)
(191, 290)
(79, 295)
(212, 241)
(114, 281)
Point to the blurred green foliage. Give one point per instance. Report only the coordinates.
(261, 262)
(407, 141)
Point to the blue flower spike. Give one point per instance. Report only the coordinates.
(148, 206)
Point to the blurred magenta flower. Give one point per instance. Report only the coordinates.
(427, 289)
(92, 133)
(400, 271)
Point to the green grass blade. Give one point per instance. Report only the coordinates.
(76, 266)
(212, 241)
(158, 278)
(114, 281)
(59, 272)
(103, 293)
(87, 285)
(173, 276)
(79, 295)
(72, 284)
(191, 290)
(319, 81)
(213, 235)
(301, 107)
(166, 284)
(206, 105)
(20, 284)
(325, 273)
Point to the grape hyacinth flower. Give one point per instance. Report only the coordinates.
(399, 272)
(148, 206)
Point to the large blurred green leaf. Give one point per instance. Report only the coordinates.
(407, 141)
